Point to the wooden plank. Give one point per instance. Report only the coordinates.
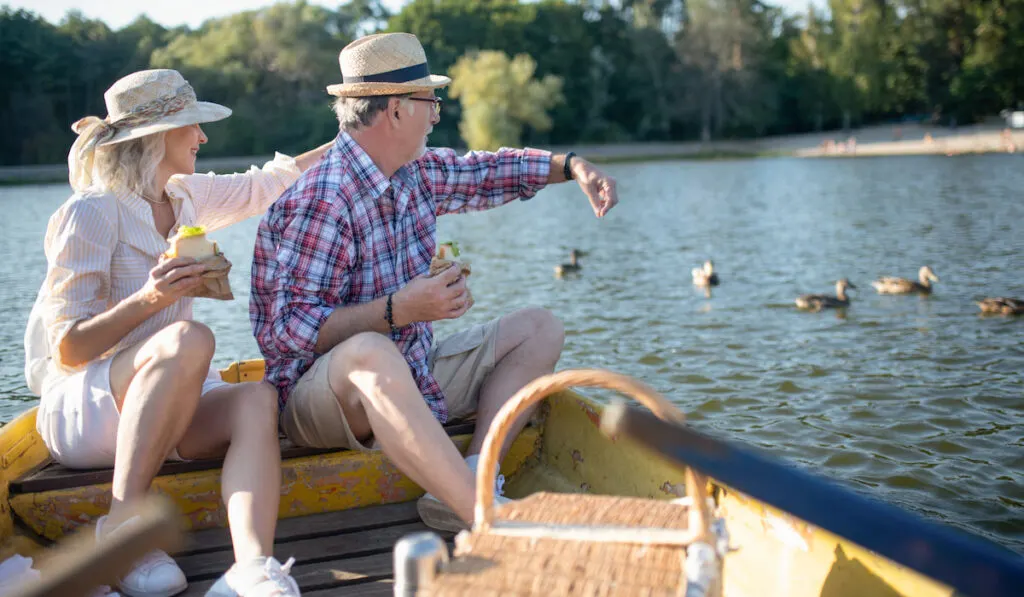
(56, 476)
(336, 572)
(313, 550)
(198, 589)
(380, 588)
(304, 527)
(312, 485)
(346, 571)
(325, 575)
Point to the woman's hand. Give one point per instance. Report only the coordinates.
(170, 280)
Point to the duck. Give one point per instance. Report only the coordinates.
(817, 302)
(891, 285)
(569, 268)
(1001, 306)
(705, 276)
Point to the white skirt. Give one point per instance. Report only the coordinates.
(78, 417)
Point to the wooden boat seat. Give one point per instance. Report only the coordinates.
(54, 476)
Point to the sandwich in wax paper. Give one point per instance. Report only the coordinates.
(191, 241)
(445, 257)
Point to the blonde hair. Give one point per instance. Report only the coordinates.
(129, 164)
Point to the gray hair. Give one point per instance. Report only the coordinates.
(130, 164)
(356, 112)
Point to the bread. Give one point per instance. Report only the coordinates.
(444, 259)
(438, 265)
(191, 241)
(446, 254)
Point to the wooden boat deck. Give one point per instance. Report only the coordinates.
(349, 551)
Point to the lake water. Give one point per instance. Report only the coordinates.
(917, 401)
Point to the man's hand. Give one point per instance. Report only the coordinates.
(444, 296)
(598, 186)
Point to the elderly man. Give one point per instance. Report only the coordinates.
(342, 303)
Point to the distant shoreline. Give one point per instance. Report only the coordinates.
(883, 140)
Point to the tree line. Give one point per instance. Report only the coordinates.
(544, 73)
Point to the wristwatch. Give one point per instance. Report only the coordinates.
(566, 170)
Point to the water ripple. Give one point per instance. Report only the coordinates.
(916, 401)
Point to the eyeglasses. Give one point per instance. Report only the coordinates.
(434, 100)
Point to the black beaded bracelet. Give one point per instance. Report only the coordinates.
(567, 165)
(388, 315)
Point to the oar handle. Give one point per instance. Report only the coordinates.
(969, 564)
(542, 387)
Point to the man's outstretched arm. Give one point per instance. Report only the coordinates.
(483, 180)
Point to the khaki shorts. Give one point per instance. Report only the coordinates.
(313, 418)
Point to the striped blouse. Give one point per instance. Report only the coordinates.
(100, 247)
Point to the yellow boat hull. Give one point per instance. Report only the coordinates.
(776, 555)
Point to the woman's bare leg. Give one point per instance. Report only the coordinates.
(156, 386)
(242, 419)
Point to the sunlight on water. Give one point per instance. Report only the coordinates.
(917, 401)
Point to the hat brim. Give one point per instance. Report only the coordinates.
(195, 114)
(370, 89)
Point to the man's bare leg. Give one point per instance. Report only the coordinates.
(528, 346)
(379, 398)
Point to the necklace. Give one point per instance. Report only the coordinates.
(163, 199)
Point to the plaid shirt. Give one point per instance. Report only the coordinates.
(346, 235)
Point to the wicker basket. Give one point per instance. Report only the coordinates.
(577, 544)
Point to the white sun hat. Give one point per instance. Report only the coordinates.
(147, 102)
(385, 64)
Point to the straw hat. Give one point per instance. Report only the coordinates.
(148, 102)
(385, 64)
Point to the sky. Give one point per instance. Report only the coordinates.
(171, 13)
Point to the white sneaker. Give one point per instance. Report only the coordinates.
(154, 575)
(437, 515)
(263, 577)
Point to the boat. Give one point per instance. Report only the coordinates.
(341, 512)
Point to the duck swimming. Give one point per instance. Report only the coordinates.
(817, 302)
(569, 268)
(705, 276)
(1001, 306)
(892, 285)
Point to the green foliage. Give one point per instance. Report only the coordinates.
(636, 70)
(500, 96)
(271, 68)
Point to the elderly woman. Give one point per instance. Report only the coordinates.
(122, 369)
